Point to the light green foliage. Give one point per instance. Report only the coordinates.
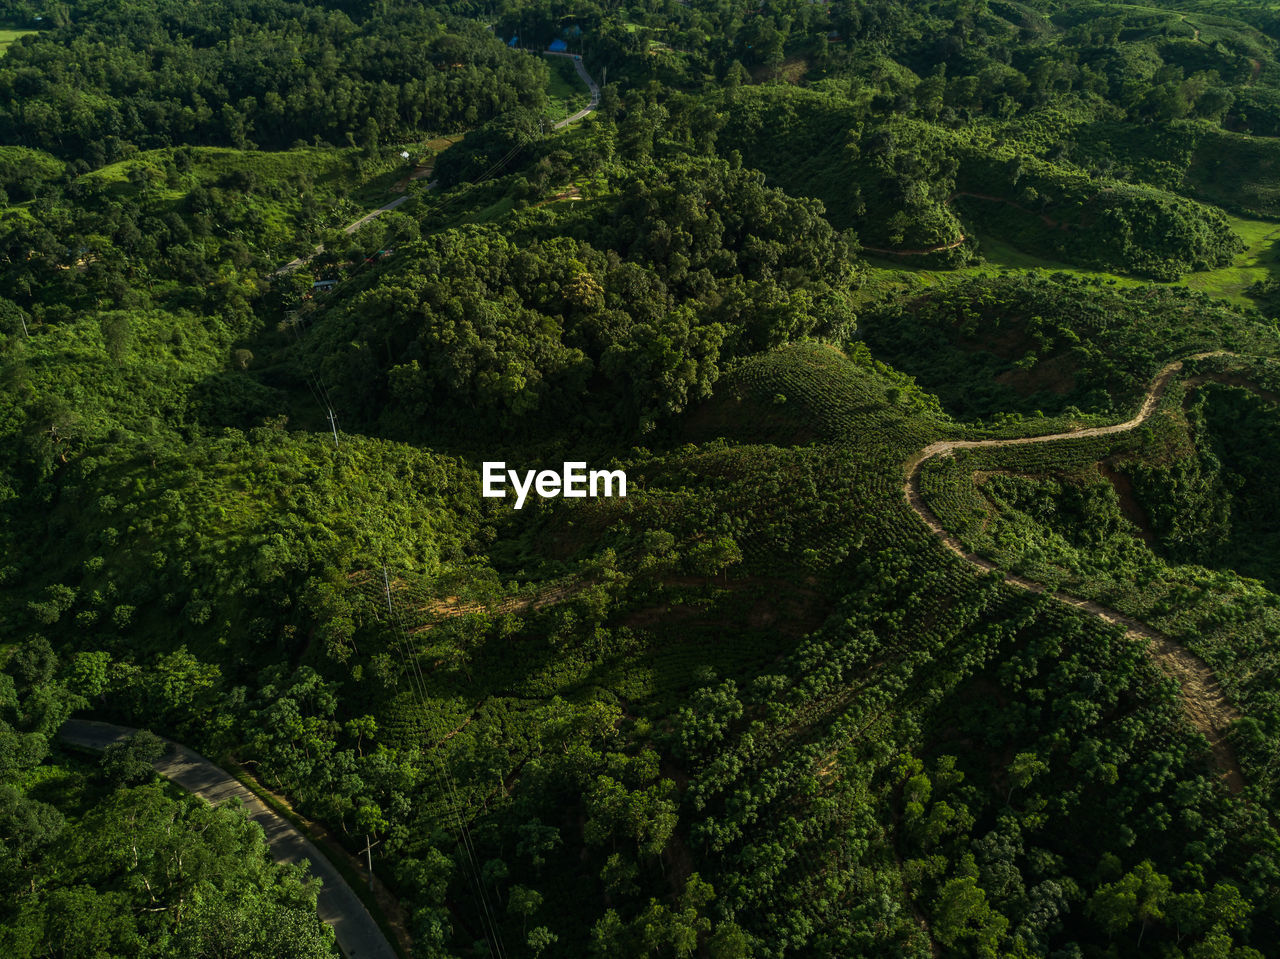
(97, 865)
(755, 708)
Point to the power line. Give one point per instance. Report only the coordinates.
(493, 935)
(315, 382)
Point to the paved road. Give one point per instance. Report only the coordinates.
(352, 227)
(358, 935)
(591, 85)
(349, 228)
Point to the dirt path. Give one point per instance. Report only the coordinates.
(1205, 704)
(1044, 217)
(934, 249)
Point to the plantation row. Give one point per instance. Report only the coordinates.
(1047, 512)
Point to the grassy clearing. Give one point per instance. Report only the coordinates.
(443, 143)
(565, 90)
(8, 36)
(495, 211)
(326, 166)
(1257, 261)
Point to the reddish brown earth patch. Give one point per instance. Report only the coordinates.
(1055, 375)
(786, 608)
(1130, 508)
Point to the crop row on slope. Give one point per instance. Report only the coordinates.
(910, 184)
(1048, 513)
(1051, 344)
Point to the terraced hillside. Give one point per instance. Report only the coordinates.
(937, 342)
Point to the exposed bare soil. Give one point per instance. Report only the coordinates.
(1203, 701)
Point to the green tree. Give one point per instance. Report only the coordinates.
(1023, 770)
(524, 902)
(1138, 896)
(132, 760)
(962, 914)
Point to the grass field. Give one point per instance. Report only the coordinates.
(326, 166)
(8, 36)
(566, 91)
(1258, 261)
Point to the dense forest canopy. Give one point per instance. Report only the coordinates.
(277, 277)
(116, 80)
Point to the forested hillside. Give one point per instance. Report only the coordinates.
(937, 342)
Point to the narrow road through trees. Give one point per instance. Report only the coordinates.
(351, 227)
(1206, 706)
(358, 935)
(348, 229)
(591, 85)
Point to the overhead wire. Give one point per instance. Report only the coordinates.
(453, 802)
(447, 784)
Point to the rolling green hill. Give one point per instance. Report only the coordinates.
(937, 344)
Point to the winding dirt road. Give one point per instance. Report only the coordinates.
(1206, 706)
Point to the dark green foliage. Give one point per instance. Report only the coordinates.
(118, 80)
(1214, 507)
(909, 186)
(696, 264)
(492, 148)
(1054, 344)
(755, 708)
(130, 762)
(25, 173)
(1114, 519)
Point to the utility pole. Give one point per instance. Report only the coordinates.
(387, 581)
(333, 422)
(368, 851)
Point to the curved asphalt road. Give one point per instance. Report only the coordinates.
(358, 935)
(591, 85)
(352, 227)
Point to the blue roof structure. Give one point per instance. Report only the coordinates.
(558, 46)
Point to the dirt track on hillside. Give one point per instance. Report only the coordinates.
(1203, 701)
